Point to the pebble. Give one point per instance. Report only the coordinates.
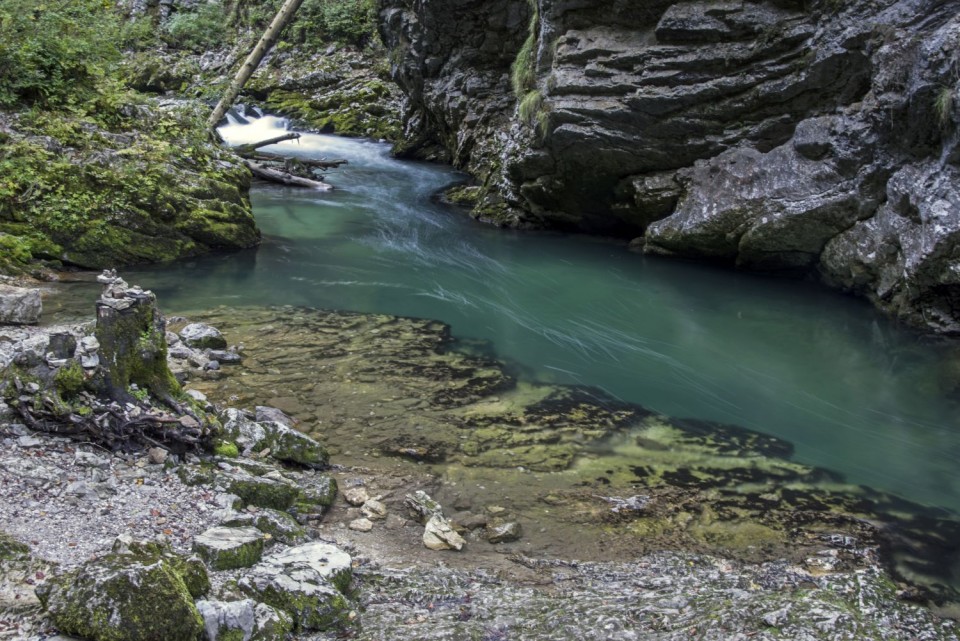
(374, 510)
(356, 496)
(361, 525)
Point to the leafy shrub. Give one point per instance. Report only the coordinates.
(197, 30)
(55, 52)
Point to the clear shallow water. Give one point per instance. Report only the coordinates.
(848, 389)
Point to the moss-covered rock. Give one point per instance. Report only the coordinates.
(10, 548)
(306, 582)
(229, 548)
(140, 184)
(123, 597)
(264, 492)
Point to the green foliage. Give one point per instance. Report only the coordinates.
(943, 106)
(138, 34)
(197, 30)
(55, 52)
(317, 22)
(523, 71)
(69, 380)
(533, 111)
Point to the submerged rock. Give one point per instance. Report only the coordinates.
(201, 336)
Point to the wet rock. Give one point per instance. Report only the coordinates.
(245, 619)
(361, 525)
(306, 582)
(503, 532)
(224, 357)
(439, 535)
(201, 336)
(121, 596)
(19, 305)
(229, 548)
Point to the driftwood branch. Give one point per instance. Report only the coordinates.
(285, 178)
(244, 150)
(313, 163)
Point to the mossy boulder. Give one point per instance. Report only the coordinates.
(264, 492)
(290, 446)
(229, 548)
(123, 597)
(307, 582)
(284, 443)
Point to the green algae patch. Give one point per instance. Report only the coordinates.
(601, 479)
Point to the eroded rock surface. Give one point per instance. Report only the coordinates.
(776, 135)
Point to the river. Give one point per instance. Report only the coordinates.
(853, 392)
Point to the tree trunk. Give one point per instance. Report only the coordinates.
(269, 38)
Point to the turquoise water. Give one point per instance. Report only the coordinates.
(851, 391)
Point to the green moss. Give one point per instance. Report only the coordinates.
(69, 379)
(121, 598)
(943, 105)
(158, 191)
(523, 72)
(10, 548)
(264, 493)
(533, 111)
(242, 556)
(226, 448)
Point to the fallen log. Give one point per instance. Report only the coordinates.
(313, 163)
(284, 178)
(245, 150)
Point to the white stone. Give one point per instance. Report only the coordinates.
(361, 525)
(439, 535)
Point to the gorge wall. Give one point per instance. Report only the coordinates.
(811, 137)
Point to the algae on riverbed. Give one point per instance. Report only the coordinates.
(392, 393)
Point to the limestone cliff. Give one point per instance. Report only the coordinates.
(813, 137)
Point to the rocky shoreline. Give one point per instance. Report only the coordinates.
(254, 534)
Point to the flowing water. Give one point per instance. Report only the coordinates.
(851, 391)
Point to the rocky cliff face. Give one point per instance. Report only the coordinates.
(800, 136)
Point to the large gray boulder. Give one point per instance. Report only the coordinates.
(123, 597)
(201, 336)
(307, 582)
(19, 305)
